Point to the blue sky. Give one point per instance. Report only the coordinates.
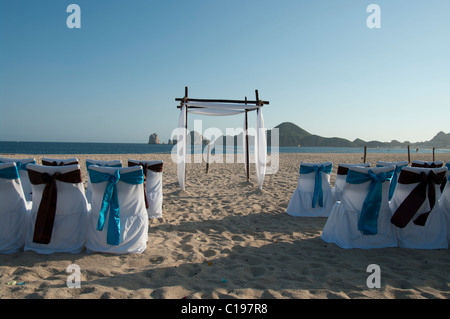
(116, 78)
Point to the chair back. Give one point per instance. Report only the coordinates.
(21, 164)
(118, 221)
(355, 194)
(153, 171)
(419, 219)
(341, 176)
(59, 161)
(59, 210)
(13, 209)
(89, 162)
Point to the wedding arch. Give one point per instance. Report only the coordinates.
(219, 107)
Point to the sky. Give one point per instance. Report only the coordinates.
(116, 78)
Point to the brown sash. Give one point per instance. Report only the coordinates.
(427, 165)
(342, 170)
(47, 208)
(155, 168)
(55, 163)
(417, 197)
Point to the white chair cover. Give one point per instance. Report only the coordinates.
(133, 215)
(23, 173)
(432, 235)
(153, 188)
(69, 228)
(341, 177)
(89, 162)
(341, 227)
(444, 203)
(447, 176)
(398, 168)
(401, 163)
(13, 210)
(301, 203)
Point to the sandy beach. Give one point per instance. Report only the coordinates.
(224, 238)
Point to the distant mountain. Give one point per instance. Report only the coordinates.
(440, 140)
(292, 135)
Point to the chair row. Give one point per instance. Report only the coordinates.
(152, 177)
(59, 217)
(391, 205)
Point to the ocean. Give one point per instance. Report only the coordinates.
(142, 148)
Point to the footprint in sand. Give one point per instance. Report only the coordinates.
(237, 238)
(157, 260)
(209, 253)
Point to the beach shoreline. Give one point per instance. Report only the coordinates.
(223, 238)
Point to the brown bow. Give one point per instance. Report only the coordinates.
(417, 197)
(155, 168)
(55, 163)
(47, 208)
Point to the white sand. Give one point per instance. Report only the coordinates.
(223, 238)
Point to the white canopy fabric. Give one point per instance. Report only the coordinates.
(214, 112)
(222, 109)
(181, 148)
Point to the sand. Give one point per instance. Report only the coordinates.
(223, 238)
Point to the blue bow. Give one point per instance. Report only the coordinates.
(9, 172)
(368, 219)
(111, 200)
(394, 179)
(317, 169)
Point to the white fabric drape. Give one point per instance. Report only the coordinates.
(215, 112)
(260, 149)
(181, 148)
(222, 109)
(244, 145)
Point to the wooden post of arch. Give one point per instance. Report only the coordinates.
(409, 154)
(185, 127)
(247, 155)
(365, 154)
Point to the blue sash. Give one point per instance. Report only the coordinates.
(9, 172)
(317, 169)
(111, 200)
(368, 219)
(20, 165)
(394, 179)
